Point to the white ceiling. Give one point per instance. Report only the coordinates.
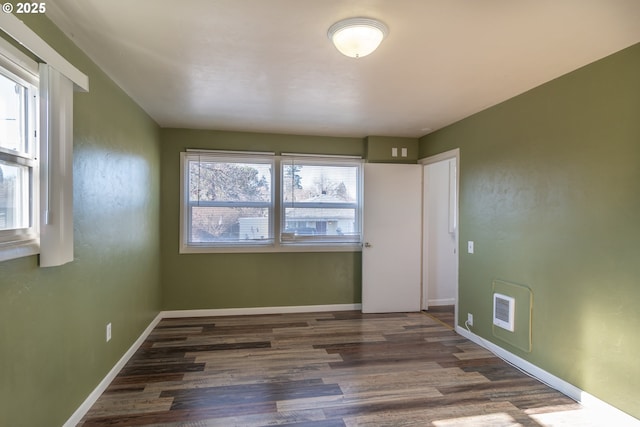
(268, 66)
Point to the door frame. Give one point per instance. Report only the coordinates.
(447, 155)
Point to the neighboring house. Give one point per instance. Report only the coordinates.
(327, 220)
(253, 228)
(322, 220)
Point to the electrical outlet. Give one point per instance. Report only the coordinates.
(469, 319)
(108, 332)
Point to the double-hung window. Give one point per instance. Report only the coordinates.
(321, 200)
(260, 202)
(36, 147)
(19, 178)
(228, 200)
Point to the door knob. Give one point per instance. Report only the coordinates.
(368, 245)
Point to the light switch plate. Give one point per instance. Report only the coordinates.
(470, 246)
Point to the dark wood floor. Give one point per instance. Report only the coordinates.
(443, 313)
(320, 369)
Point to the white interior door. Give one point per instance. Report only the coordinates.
(391, 257)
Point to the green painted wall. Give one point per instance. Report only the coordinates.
(52, 321)
(205, 281)
(549, 192)
(379, 149)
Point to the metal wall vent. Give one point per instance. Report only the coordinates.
(503, 311)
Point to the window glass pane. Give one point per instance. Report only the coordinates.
(229, 224)
(12, 115)
(14, 197)
(320, 183)
(229, 181)
(19, 172)
(320, 221)
(320, 202)
(229, 201)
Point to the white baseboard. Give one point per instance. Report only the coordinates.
(442, 301)
(258, 310)
(95, 394)
(585, 399)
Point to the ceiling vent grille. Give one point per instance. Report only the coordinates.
(503, 311)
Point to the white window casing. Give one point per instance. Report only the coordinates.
(311, 220)
(227, 200)
(24, 35)
(56, 182)
(48, 162)
(321, 200)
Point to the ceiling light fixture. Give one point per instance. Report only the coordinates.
(357, 37)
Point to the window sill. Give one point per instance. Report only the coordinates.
(274, 248)
(20, 249)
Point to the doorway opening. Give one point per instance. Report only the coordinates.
(440, 233)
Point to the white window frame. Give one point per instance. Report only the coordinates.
(277, 243)
(186, 205)
(52, 176)
(329, 161)
(16, 243)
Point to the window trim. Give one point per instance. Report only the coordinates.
(52, 185)
(276, 245)
(21, 242)
(56, 162)
(54, 141)
(31, 41)
(186, 205)
(329, 161)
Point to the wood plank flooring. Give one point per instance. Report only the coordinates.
(320, 370)
(443, 313)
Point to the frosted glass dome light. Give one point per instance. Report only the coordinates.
(357, 37)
